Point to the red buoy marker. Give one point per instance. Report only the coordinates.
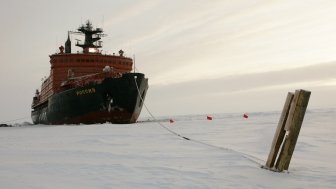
(209, 117)
(245, 115)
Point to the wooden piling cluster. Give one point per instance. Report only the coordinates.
(288, 130)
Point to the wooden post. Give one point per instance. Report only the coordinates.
(280, 132)
(293, 126)
(289, 124)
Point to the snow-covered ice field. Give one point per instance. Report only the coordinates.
(223, 153)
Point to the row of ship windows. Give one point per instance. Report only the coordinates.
(90, 60)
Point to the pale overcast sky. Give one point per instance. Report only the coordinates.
(200, 56)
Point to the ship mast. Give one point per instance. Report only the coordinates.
(92, 38)
(68, 44)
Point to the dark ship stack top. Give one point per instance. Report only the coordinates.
(89, 87)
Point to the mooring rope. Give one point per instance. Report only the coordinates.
(250, 158)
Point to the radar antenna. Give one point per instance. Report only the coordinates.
(92, 37)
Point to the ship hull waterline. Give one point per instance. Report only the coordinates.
(114, 100)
